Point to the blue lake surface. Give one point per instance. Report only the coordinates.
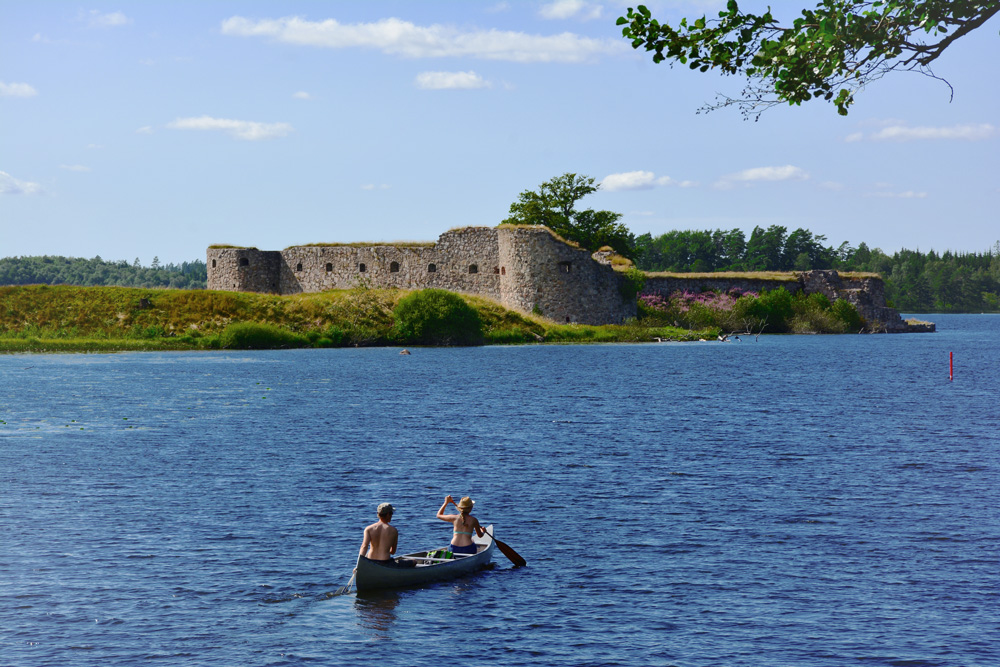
(791, 501)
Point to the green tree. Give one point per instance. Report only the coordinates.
(554, 205)
(765, 248)
(830, 52)
(804, 251)
(732, 247)
(436, 317)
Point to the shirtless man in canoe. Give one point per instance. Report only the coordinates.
(380, 538)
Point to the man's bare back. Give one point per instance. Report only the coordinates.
(380, 538)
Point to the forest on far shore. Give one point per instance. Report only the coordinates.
(55, 270)
(916, 282)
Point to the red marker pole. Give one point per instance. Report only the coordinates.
(951, 365)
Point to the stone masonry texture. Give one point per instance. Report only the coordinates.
(524, 268)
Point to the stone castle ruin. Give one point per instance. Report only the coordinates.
(524, 268)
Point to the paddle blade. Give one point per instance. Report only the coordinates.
(511, 555)
(345, 589)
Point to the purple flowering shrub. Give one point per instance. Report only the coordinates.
(774, 311)
(694, 309)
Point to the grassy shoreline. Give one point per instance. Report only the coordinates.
(63, 318)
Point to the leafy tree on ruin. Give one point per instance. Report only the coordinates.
(554, 205)
(829, 52)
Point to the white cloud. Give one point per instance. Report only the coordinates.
(402, 38)
(17, 90)
(372, 186)
(74, 167)
(854, 137)
(96, 19)
(629, 180)
(964, 132)
(567, 9)
(145, 129)
(498, 8)
(11, 186)
(832, 185)
(302, 95)
(451, 81)
(640, 180)
(786, 173)
(241, 129)
(770, 174)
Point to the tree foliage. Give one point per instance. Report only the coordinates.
(54, 270)
(554, 205)
(436, 317)
(771, 249)
(932, 282)
(829, 52)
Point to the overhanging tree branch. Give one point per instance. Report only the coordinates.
(830, 52)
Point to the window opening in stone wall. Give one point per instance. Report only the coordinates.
(361, 268)
(298, 267)
(432, 268)
(496, 270)
(503, 270)
(244, 261)
(329, 267)
(564, 267)
(213, 263)
(473, 268)
(394, 267)
(567, 320)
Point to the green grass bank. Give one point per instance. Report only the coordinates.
(62, 318)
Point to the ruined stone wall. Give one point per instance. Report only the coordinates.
(867, 294)
(463, 260)
(527, 269)
(541, 273)
(243, 269)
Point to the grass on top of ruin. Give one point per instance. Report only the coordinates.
(786, 276)
(63, 318)
(369, 244)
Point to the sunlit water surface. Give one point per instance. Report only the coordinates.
(797, 500)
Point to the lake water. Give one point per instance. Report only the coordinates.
(792, 501)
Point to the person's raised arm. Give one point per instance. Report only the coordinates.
(480, 531)
(446, 517)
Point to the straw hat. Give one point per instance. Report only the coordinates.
(466, 503)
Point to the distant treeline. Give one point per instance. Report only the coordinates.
(52, 270)
(915, 281)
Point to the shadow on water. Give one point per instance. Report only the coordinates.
(376, 611)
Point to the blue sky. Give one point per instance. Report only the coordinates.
(144, 129)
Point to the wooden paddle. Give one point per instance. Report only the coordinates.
(511, 555)
(345, 589)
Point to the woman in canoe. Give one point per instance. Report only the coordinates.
(465, 525)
